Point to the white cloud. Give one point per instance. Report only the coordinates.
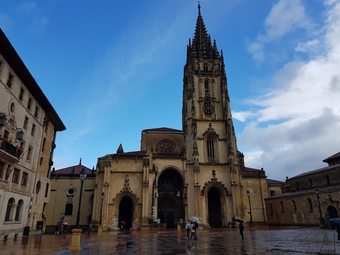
(242, 115)
(284, 18)
(297, 122)
(309, 46)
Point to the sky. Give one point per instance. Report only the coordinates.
(114, 68)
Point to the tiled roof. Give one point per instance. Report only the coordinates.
(126, 154)
(162, 129)
(72, 170)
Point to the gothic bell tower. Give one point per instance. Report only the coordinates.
(211, 149)
(207, 121)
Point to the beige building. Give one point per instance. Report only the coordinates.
(197, 171)
(28, 127)
(310, 198)
(65, 196)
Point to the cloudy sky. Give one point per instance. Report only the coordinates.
(114, 68)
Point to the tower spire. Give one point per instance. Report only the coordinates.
(201, 43)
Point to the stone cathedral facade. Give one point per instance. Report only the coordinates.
(197, 171)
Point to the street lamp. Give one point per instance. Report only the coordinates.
(101, 207)
(251, 215)
(319, 207)
(82, 177)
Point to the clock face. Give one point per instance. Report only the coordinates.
(208, 108)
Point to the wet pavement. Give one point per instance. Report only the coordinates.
(226, 241)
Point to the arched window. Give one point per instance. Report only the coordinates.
(211, 148)
(271, 210)
(68, 209)
(206, 88)
(18, 212)
(37, 187)
(9, 210)
(46, 189)
(310, 205)
(294, 205)
(282, 207)
(208, 107)
(205, 67)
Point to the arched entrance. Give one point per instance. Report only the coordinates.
(214, 208)
(125, 212)
(170, 202)
(332, 212)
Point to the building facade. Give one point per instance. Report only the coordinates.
(197, 171)
(28, 127)
(310, 198)
(66, 190)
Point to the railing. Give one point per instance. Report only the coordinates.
(10, 149)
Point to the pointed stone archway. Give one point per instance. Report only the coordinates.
(170, 198)
(215, 193)
(214, 208)
(125, 212)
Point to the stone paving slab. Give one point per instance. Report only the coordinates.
(226, 241)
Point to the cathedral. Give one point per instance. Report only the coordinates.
(177, 174)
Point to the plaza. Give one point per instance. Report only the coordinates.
(258, 240)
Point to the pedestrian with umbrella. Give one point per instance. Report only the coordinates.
(240, 226)
(194, 227)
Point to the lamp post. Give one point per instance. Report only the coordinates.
(319, 207)
(101, 207)
(82, 177)
(251, 215)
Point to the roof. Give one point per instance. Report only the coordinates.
(126, 154)
(322, 190)
(320, 170)
(252, 172)
(335, 156)
(131, 153)
(274, 182)
(72, 170)
(163, 129)
(18, 66)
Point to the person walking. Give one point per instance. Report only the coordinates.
(195, 228)
(188, 229)
(241, 228)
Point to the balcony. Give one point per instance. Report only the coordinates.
(9, 152)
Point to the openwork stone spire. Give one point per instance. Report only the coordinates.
(201, 45)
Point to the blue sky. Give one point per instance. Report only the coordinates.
(114, 68)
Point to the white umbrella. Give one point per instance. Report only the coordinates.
(194, 218)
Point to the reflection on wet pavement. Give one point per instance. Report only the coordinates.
(224, 241)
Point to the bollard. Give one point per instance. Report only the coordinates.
(75, 241)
